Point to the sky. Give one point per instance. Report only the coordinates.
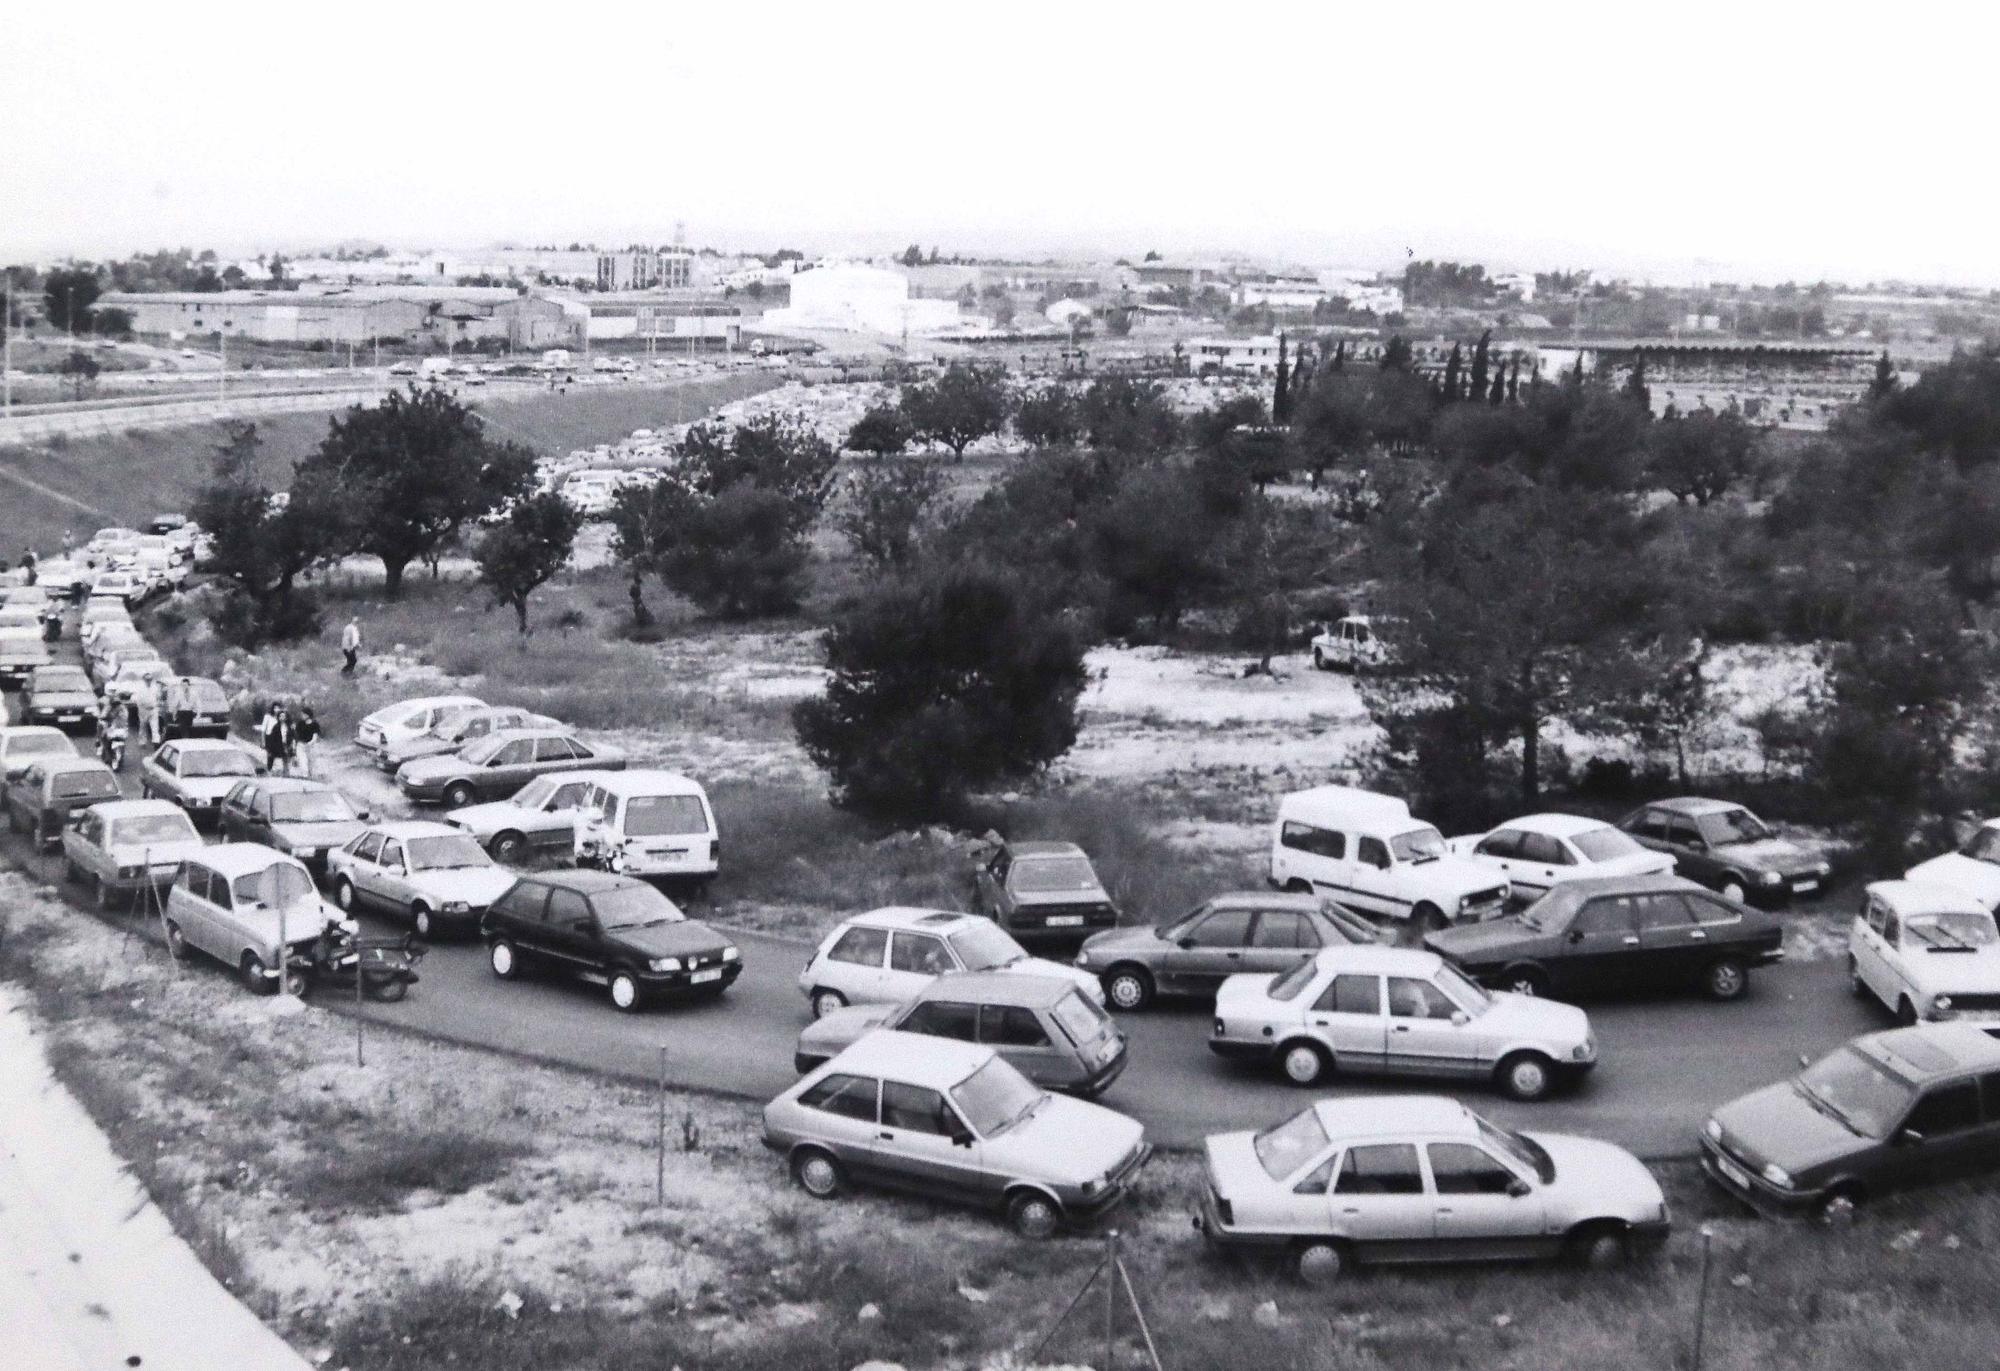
(1683, 142)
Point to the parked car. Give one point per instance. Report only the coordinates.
(165, 523)
(1417, 1178)
(1195, 953)
(254, 910)
(1046, 894)
(1352, 644)
(540, 815)
(1616, 933)
(23, 744)
(500, 764)
(61, 577)
(1369, 852)
(456, 730)
(41, 798)
(118, 847)
(1926, 952)
(58, 696)
(109, 638)
(648, 823)
(205, 700)
(953, 1120)
(887, 955)
(1974, 868)
(1885, 1112)
(1727, 848)
(1045, 1028)
(196, 773)
(433, 875)
(1540, 851)
(615, 931)
(301, 818)
(22, 615)
(126, 587)
(22, 651)
(408, 719)
(1399, 1011)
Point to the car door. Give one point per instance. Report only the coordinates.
(1947, 1136)
(161, 770)
(1673, 946)
(233, 816)
(1207, 950)
(1317, 855)
(841, 1114)
(1379, 1202)
(1483, 1209)
(508, 771)
(1018, 1034)
(1692, 857)
(555, 754)
(392, 877)
(1347, 1016)
(1372, 881)
(1877, 959)
(569, 932)
(922, 1144)
(87, 846)
(1426, 1037)
(1597, 949)
(1279, 940)
(856, 966)
(1502, 848)
(915, 960)
(1540, 862)
(555, 823)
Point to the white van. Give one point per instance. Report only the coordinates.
(1368, 852)
(648, 823)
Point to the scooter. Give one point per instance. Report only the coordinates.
(387, 966)
(111, 750)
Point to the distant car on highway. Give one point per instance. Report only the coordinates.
(541, 815)
(22, 744)
(40, 799)
(614, 931)
(298, 817)
(1728, 849)
(430, 874)
(196, 773)
(117, 847)
(500, 764)
(1926, 952)
(1046, 894)
(887, 955)
(1540, 851)
(1417, 1178)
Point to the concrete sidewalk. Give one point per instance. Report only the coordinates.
(92, 1277)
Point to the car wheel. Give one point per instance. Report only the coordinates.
(1319, 1264)
(506, 963)
(1906, 1012)
(1304, 1063)
(71, 871)
(251, 969)
(145, 791)
(100, 893)
(176, 943)
(343, 894)
(1602, 1247)
(1128, 988)
(458, 795)
(1319, 661)
(1526, 980)
(1732, 888)
(1725, 979)
(508, 847)
(624, 991)
(420, 920)
(1854, 981)
(1527, 1076)
(1428, 918)
(1034, 1215)
(817, 1173)
(1299, 886)
(825, 1002)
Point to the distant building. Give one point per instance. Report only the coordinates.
(659, 269)
(270, 316)
(862, 299)
(1233, 356)
(694, 325)
(1280, 292)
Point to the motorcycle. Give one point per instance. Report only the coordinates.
(387, 966)
(111, 750)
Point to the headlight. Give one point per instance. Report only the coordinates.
(456, 907)
(128, 872)
(1583, 1051)
(665, 963)
(1713, 1128)
(1769, 878)
(1941, 1005)
(730, 954)
(1778, 1176)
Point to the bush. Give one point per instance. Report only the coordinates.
(740, 555)
(243, 622)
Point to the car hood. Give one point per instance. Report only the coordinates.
(328, 833)
(1777, 1124)
(1781, 855)
(301, 920)
(1448, 877)
(1233, 1165)
(677, 939)
(1249, 993)
(1481, 942)
(207, 787)
(1042, 966)
(1980, 880)
(159, 854)
(1644, 862)
(479, 886)
(1956, 973)
(1530, 1016)
(843, 1027)
(1067, 1141)
(1600, 1172)
(1139, 938)
(62, 699)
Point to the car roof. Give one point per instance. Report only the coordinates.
(424, 702)
(1694, 805)
(1926, 1051)
(279, 785)
(1365, 1116)
(512, 733)
(581, 881)
(997, 987)
(1924, 897)
(1554, 825)
(240, 859)
(1584, 886)
(1347, 800)
(1266, 899)
(416, 828)
(1042, 848)
(908, 916)
(55, 763)
(629, 783)
(912, 1058)
(1387, 961)
(208, 745)
(30, 731)
(133, 809)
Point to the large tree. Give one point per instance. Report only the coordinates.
(884, 507)
(645, 521)
(67, 295)
(530, 544)
(959, 408)
(1699, 456)
(263, 545)
(739, 554)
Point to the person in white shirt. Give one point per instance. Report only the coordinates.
(350, 643)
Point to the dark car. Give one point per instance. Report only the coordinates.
(1612, 933)
(1727, 848)
(1045, 894)
(304, 819)
(1264, 931)
(1912, 1106)
(499, 764)
(615, 931)
(60, 696)
(40, 800)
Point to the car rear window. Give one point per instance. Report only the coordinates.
(1605, 844)
(1052, 875)
(38, 745)
(1080, 1018)
(1284, 1148)
(660, 816)
(152, 828)
(219, 762)
(84, 785)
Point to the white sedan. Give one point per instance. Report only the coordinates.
(1926, 952)
(1539, 851)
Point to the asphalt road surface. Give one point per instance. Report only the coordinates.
(1663, 1063)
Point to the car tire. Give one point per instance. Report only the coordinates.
(825, 1002)
(420, 919)
(1525, 980)
(1428, 918)
(1526, 1076)
(504, 959)
(1600, 1247)
(1034, 1215)
(1733, 888)
(818, 1173)
(1129, 988)
(1298, 885)
(343, 895)
(1726, 978)
(176, 942)
(458, 795)
(71, 871)
(1319, 1264)
(1305, 1064)
(1854, 981)
(1906, 1012)
(508, 847)
(623, 988)
(145, 791)
(1319, 661)
(251, 970)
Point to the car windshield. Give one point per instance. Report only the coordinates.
(1283, 1148)
(1051, 875)
(1080, 1018)
(61, 678)
(1605, 844)
(535, 793)
(152, 828)
(996, 1097)
(1418, 845)
(1547, 914)
(1733, 826)
(664, 816)
(482, 751)
(1455, 984)
(1288, 986)
(221, 761)
(1984, 846)
(310, 807)
(634, 906)
(445, 853)
(207, 695)
(1952, 931)
(1857, 1091)
(84, 785)
(1518, 1146)
(984, 946)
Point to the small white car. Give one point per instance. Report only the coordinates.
(118, 846)
(648, 823)
(1417, 1178)
(1974, 868)
(458, 730)
(1926, 952)
(541, 814)
(427, 873)
(252, 909)
(1350, 645)
(1539, 851)
(888, 955)
(1370, 854)
(23, 744)
(1398, 1011)
(407, 719)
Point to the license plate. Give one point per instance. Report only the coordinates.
(1735, 1173)
(1066, 921)
(1805, 887)
(702, 977)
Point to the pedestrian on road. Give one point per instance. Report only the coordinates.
(277, 739)
(180, 705)
(28, 564)
(156, 715)
(350, 643)
(148, 696)
(305, 733)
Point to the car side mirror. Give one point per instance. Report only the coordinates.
(1185, 944)
(365, 815)
(1460, 1018)
(961, 1138)
(1576, 935)
(1519, 1188)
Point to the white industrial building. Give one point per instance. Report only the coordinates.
(666, 322)
(851, 298)
(1256, 356)
(1281, 292)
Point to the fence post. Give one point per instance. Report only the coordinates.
(1701, 1298)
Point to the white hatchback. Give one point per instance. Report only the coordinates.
(1540, 851)
(407, 719)
(888, 955)
(1926, 952)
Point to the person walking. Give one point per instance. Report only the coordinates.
(305, 733)
(350, 643)
(69, 543)
(180, 707)
(151, 696)
(28, 564)
(277, 739)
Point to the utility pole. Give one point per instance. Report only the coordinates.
(7, 344)
(222, 371)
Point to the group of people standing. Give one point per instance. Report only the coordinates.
(290, 734)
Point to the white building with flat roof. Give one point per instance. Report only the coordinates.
(849, 297)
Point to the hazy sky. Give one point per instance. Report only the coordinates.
(1680, 141)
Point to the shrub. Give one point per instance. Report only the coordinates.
(739, 555)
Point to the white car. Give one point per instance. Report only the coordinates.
(433, 876)
(1350, 645)
(648, 823)
(23, 744)
(1974, 868)
(122, 586)
(1540, 851)
(407, 719)
(1926, 952)
(1369, 853)
(120, 845)
(1415, 1178)
(888, 955)
(541, 814)
(252, 909)
(1397, 1011)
